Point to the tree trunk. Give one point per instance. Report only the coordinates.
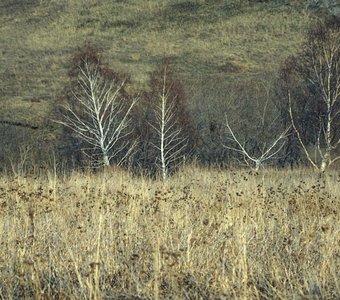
(106, 160)
(257, 165)
(325, 160)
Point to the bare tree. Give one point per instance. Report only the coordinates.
(254, 129)
(319, 65)
(170, 142)
(99, 114)
(267, 151)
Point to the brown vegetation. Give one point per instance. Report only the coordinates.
(202, 234)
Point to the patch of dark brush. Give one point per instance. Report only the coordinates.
(120, 24)
(183, 12)
(192, 12)
(14, 7)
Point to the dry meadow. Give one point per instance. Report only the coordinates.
(202, 234)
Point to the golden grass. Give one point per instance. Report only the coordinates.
(202, 234)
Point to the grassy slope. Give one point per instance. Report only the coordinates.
(223, 40)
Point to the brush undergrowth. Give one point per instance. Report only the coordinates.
(202, 234)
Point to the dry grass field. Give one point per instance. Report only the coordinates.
(203, 234)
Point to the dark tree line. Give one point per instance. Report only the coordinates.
(173, 122)
(311, 84)
(289, 120)
(149, 131)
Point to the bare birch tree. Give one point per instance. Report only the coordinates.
(320, 67)
(254, 128)
(100, 115)
(170, 142)
(267, 151)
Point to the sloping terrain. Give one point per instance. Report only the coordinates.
(215, 39)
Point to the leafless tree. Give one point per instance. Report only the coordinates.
(320, 67)
(267, 150)
(253, 124)
(170, 143)
(99, 114)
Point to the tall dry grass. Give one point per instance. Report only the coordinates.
(202, 234)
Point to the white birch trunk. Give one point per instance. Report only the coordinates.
(325, 77)
(170, 143)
